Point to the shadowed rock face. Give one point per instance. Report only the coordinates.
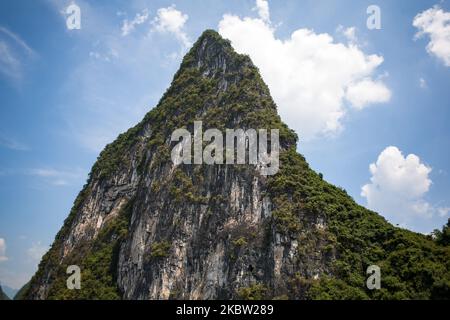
(143, 228)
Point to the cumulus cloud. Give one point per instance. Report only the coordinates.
(3, 256)
(262, 7)
(435, 23)
(172, 21)
(366, 92)
(349, 33)
(129, 26)
(313, 79)
(398, 186)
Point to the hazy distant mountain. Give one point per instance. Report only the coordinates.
(3, 296)
(10, 292)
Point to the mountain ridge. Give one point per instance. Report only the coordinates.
(142, 228)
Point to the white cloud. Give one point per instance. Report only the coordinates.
(435, 23)
(12, 144)
(9, 64)
(14, 52)
(36, 251)
(262, 7)
(423, 83)
(58, 177)
(366, 92)
(313, 79)
(18, 41)
(105, 55)
(96, 99)
(129, 26)
(349, 33)
(3, 256)
(443, 212)
(172, 20)
(398, 187)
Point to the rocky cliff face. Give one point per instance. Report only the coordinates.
(144, 228)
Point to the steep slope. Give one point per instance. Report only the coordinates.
(143, 228)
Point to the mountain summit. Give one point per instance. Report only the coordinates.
(146, 228)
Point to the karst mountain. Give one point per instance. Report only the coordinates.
(145, 228)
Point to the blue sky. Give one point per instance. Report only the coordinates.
(360, 97)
